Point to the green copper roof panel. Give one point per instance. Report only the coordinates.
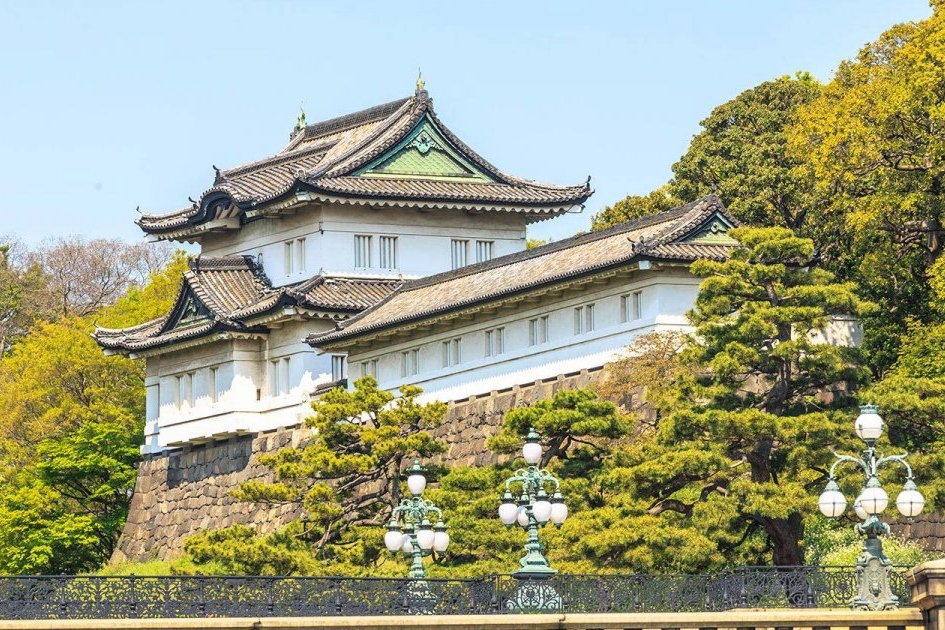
(714, 231)
(424, 154)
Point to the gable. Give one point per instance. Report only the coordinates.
(712, 231)
(424, 153)
(188, 311)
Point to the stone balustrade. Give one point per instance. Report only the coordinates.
(807, 619)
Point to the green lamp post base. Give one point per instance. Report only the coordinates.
(872, 570)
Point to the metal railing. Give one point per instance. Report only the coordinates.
(99, 597)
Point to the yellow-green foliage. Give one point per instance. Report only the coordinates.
(348, 475)
(68, 437)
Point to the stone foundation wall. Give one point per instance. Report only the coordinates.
(182, 492)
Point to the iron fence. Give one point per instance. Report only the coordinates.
(100, 597)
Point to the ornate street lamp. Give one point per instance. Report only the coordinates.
(872, 566)
(530, 507)
(410, 529)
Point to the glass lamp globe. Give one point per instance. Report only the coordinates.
(508, 511)
(832, 503)
(858, 508)
(869, 425)
(407, 547)
(425, 536)
(441, 539)
(542, 509)
(532, 449)
(522, 516)
(910, 501)
(874, 499)
(416, 482)
(394, 538)
(559, 511)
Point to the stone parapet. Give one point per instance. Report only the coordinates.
(906, 619)
(182, 492)
(927, 586)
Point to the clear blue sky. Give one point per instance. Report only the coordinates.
(111, 105)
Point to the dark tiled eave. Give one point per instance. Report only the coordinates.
(679, 222)
(237, 293)
(307, 164)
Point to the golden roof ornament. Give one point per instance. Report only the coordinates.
(420, 83)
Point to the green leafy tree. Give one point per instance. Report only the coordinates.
(571, 421)
(23, 300)
(753, 430)
(239, 550)
(636, 206)
(39, 534)
(643, 380)
(93, 470)
(874, 142)
(55, 381)
(911, 398)
(69, 438)
(349, 474)
(741, 154)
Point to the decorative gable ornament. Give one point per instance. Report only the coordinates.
(713, 231)
(424, 154)
(192, 312)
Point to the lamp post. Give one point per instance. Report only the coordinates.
(872, 566)
(410, 529)
(530, 507)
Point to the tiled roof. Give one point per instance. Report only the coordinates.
(655, 237)
(324, 160)
(527, 194)
(341, 293)
(225, 293)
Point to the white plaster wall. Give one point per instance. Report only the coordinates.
(423, 246)
(667, 295)
(244, 401)
(424, 238)
(265, 239)
(842, 330)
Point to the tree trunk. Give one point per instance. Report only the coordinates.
(785, 535)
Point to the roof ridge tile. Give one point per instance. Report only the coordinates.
(354, 119)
